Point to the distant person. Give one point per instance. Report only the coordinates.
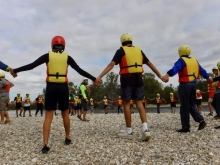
(211, 91)
(199, 100)
(71, 105)
(27, 105)
(120, 104)
(18, 104)
(5, 87)
(91, 105)
(159, 101)
(173, 99)
(105, 102)
(40, 104)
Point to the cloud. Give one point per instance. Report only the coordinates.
(92, 30)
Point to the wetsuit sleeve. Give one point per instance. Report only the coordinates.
(74, 65)
(15, 98)
(203, 72)
(216, 79)
(3, 66)
(42, 59)
(179, 65)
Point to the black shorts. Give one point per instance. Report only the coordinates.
(27, 108)
(76, 107)
(132, 93)
(84, 104)
(57, 93)
(198, 101)
(71, 106)
(173, 104)
(105, 106)
(18, 105)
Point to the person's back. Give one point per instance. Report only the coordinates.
(189, 71)
(130, 59)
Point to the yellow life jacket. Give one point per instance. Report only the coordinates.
(191, 71)
(57, 68)
(132, 61)
(18, 99)
(27, 100)
(40, 100)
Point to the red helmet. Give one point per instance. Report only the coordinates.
(58, 40)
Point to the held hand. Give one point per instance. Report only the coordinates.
(165, 78)
(97, 81)
(12, 72)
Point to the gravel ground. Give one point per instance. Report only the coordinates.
(96, 142)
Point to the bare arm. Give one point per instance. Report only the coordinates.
(154, 69)
(107, 69)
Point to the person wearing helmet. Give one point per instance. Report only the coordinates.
(172, 99)
(216, 98)
(40, 104)
(159, 101)
(71, 105)
(5, 86)
(27, 105)
(83, 90)
(189, 70)
(91, 105)
(119, 101)
(57, 62)
(211, 91)
(131, 59)
(105, 102)
(18, 104)
(199, 100)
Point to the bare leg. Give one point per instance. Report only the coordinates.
(17, 112)
(66, 123)
(46, 126)
(210, 107)
(142, 111)
(127, 113)
(2, 116)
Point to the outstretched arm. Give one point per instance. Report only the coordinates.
(154, 69)
(106, 70)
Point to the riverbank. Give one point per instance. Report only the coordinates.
(96, 142)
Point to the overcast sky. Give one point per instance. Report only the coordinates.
(92, 31)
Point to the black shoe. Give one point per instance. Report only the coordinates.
(183, 130)
(210, 114)
(216, 117)
(67, 141)
(202, 125)
(20, 115)
(218, 127)
(45, 149)
(23, 116)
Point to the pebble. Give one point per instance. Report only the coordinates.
(96, 141)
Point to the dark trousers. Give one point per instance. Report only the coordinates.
(158, 107)
(187, 93)
(39, 108)
(216, 103)
(120, 109)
